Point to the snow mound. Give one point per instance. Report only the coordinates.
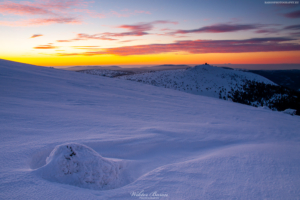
(79, 165)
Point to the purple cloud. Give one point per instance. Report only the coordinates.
(202, 46)
(47, 46)
(295, 14)
(293, 27)
(140, 29)
(220, 28)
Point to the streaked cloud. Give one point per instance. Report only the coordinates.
(36, 35)
(45, 12)
(219, 28)
(295, 34)
(124, 41)
(86, 47)
(24, 8)
(293, 27)
(83, 36)
(41, 21)
(46, 21)
(140, 29)
(295, 14)
(202, 47)
(269, 30)
(42, 12)
(136, 29)
(40, 7)
(64, 40)
(47, 46)
(279, 30)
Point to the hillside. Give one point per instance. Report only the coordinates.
(203, 80)
(68, 135)
(223, 83)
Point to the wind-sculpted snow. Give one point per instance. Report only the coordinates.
(81, 166)
(250, 171)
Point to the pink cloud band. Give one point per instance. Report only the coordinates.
(201, 47)
(42, 11)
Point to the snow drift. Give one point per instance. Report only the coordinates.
(79, 165)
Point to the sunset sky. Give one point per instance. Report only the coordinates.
(148, 32)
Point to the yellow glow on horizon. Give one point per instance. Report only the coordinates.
(166, 58)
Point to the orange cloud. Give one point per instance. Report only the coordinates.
(124, 41)
(36, 35)
(64, 40)
(86, 47)
(47, 46)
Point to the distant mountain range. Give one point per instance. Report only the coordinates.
(133, 69)
(78, 68)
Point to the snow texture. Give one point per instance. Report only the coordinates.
(81, 166)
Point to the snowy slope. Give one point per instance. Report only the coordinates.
(67, 135)
(202, 80)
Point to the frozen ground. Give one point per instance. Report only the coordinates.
(136, 141)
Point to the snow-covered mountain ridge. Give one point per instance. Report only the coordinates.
(201, 80)
(238, 86)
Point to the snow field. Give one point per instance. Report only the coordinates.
(131, 138)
